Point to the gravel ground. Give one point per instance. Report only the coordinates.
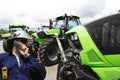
(51, 71)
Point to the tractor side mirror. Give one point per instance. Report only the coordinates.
(51, 24)
(38, 28)
(62, 30)
(9, 28)
(27, 27)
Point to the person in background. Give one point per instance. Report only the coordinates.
(18, 64)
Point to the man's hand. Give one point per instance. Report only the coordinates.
(25, 51)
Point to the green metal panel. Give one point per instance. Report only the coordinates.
(113, 59)
(89, 48)
(107, 73)
(39, 40)
(6, 35)
(52, 31)
(47, 32)
(93, 57)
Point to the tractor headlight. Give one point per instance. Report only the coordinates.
(73, 36)
(74, 39)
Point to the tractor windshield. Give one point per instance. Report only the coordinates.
(16, 29)
(44, 28)
(19, 27)
(72, 22)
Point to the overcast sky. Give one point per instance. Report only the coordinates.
(33, 13)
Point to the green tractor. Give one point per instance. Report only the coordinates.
(35, 35)
(48, 48)
(36, 41)
(93, 51)
(12, 29)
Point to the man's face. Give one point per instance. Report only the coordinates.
(20, 44)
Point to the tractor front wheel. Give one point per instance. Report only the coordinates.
(5, 45)
(48, 52)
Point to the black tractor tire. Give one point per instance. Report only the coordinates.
(5, 45)
(33, 49)
(48, 52)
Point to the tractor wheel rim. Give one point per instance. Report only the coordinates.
(52, 53)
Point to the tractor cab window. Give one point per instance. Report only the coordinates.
(59, 24)
(72, 23)
(106, 34)
(43, 28)
(16, 29)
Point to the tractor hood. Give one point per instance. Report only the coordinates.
(52, 31)
(48, 33)
(89, 48)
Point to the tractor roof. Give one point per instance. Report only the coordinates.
(17, 26)
(63, 17)
(45, 26)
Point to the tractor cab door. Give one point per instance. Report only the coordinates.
(106, 35)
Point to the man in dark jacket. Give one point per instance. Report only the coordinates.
(18, 64)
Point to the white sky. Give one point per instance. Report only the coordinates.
(33, 13)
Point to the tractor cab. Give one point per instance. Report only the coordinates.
(60, 25)
(67, 22)
(19, 27)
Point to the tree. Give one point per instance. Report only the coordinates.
(118, 11)
(2, 29)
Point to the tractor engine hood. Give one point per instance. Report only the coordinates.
(48, 33)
